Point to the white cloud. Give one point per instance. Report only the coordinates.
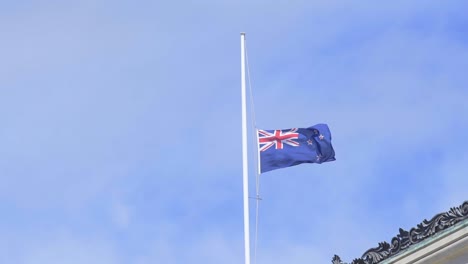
(60, 247)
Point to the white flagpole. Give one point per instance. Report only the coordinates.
(244, 155)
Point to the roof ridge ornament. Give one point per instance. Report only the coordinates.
(405, 239)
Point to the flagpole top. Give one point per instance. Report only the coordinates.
(243, 33)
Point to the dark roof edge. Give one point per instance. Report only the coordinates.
(406, 239)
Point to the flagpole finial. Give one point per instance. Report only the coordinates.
(243, 33)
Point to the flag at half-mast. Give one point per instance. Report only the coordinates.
(288, 147)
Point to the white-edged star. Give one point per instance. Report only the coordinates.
(310, 142)
(321, 137)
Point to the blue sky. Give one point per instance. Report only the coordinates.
(121, 139)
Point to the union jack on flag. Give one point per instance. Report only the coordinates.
(277, 138)
(294, 146)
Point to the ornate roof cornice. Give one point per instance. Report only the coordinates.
(416, 234)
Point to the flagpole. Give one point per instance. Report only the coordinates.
(244, 155)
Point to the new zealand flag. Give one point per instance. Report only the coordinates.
(289, 147)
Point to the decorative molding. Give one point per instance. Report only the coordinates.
(406, 239)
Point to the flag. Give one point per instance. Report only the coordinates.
(289, 147)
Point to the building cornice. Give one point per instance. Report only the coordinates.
(406, 239)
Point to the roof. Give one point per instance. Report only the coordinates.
(408, 239)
